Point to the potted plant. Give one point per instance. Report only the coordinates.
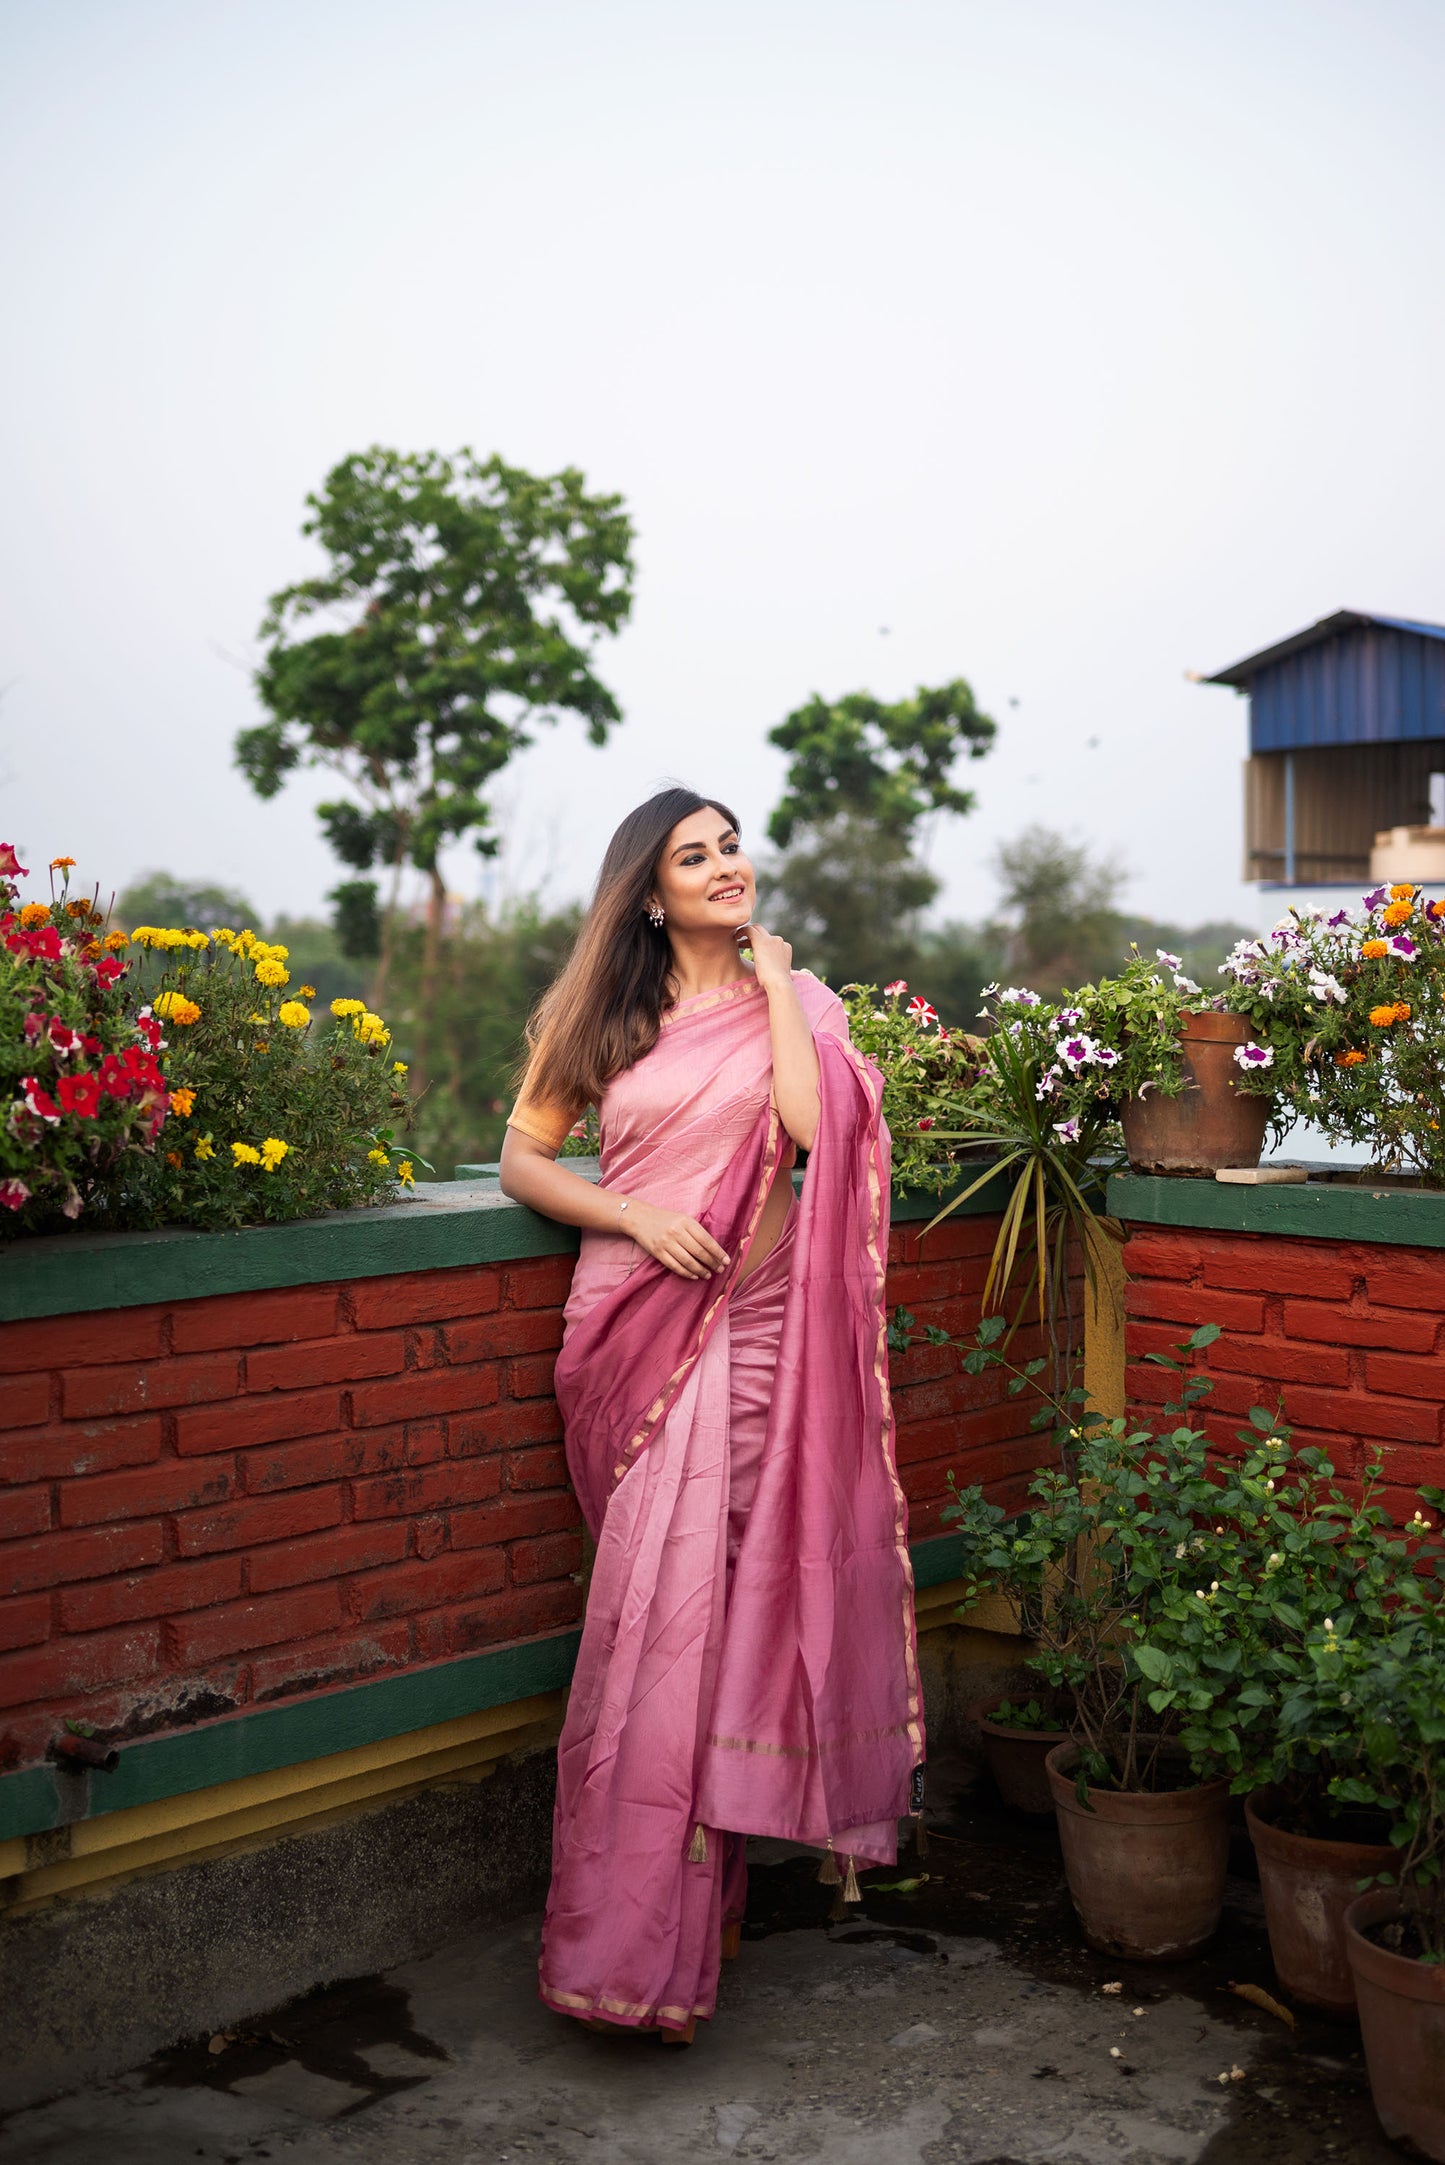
(1116, 1534)
(1017, 1737)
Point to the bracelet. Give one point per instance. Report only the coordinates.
(620, 1208)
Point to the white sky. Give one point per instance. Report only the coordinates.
(1079, 342)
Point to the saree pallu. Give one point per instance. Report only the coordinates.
(748, 1661)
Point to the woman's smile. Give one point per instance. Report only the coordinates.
(733, 893)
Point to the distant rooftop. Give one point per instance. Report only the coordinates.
(1239, 674)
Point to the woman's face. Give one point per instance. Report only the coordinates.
(703, 879)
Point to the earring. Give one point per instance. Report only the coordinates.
(655, 914)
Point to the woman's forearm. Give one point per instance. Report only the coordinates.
(795, 1066)
(548, 1185)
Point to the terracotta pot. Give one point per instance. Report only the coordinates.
(1402, 2021)
(1146, 1872)
(1016, 1761)
(1210, 1123)
(1307, 1885)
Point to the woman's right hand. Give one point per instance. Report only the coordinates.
(673, 1239)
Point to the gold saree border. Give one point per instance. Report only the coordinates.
(812, 1751)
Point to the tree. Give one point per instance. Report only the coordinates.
(862, 776)
(465, 598)
(159, 898)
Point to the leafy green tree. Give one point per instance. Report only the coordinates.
(159, 898)
(460, 606)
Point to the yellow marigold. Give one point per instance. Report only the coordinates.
(274, 949)
(293, 1014)
(198, 939)
(175, 1007)
(399, 1067)
(161, 936)
(308, 992)
(114, 940)
(205, 1148)
(1404, 891)
(405, 1174)
(182, 1102)
(34, 913)
(243, 1154)
(348, 1007)
(370, 1028)
(1372, 950)
(270, 972)
(1349, 1059)
(223, 936)
(273, 1150)
(263, 1044)
(61, 864)
(377, 1157)
(1399, 913)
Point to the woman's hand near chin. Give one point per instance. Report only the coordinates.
(795, 1057)
(772, 958)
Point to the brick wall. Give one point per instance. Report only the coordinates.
(220, 1502)
(1349, 1335)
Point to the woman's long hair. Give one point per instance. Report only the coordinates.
(605, 1010)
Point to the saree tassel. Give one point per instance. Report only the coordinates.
(850, 1885)
(697, 1853)
(828, 1873)
(920, 1836)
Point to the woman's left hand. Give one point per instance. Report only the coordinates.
(772, 958)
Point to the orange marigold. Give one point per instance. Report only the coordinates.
(113, 940)
(1403, 891)
(1402, 1011)
(1399, 913)
(34, 913)
(1349, 1059)
(1373, 949)
(182, 1101)
(1381, 1017)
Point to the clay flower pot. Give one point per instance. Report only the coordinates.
(1402, 2021)
(1016, 1761)
(1307, 1885)
(1146, 1871)
(1210, 1123)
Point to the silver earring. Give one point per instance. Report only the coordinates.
(655, 914)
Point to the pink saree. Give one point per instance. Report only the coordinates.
(748, 1661)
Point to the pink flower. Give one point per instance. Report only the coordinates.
(926, 1121)
(13, 1193)
(899, 985)
(34, 1025)
(11, 868)
(920, 1010)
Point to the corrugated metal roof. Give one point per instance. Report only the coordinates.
(1239, 673)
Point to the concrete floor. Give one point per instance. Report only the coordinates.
(960, 2022)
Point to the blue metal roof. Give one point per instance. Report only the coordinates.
(1352, 678)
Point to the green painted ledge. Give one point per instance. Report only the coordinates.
(1321, 1209)
(259, 1740)
(441, 1225)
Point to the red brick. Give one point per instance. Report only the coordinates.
(513, 1330)
(533, 1420)
(437, 1390)
(344, 1456)
(262, 1518)
(57, 1558)
(332, 1360)
(1414, 1469)
(1279, 1361)
(546, 1468)
(255, 1319)
(296, 1465)
(105, 1334)
(986, 1425)
(24, 1511)
(512, 1517)
(324, 1663)
(197, 1379)
(951, 1394)
(553, 1558)
(154, 1593)
(955, 1238)
(429, 1535)
(67, 1667)
(211, 1633)
(1156, 1255)
(425, 1585)
(532, 1376)
(169, 1485)
(247, 1422)
(959, 1315)
(328, 1556)
(922, 1363)
(1409, 1378)
(520, 1613)
(542, 1283)
(911, 1284)
(25, 1401)
(25, 1623)
(1234, 1395)
(1406, 1278)
(425, 1296)
(1399, 1420)
(48, 1454)
(1192, 1306)
(1312, 1268)
(426, 1488)
(1317, 1321)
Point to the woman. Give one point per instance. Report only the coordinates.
(748, 1662)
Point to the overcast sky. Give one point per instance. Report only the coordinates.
(1079, 344)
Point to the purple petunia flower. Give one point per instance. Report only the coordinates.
(1403, 946)
(1067, 1130)
(1374, 898)
(1254, 1055)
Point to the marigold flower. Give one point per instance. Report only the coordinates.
(1373, 950)
(1403, 891)
(377, 1157)
(114, 940)
(273, 1150)
(34, 913)
(61, 864)
(182, 1102)
(1381, 1017)
(1402, 1011)
(205, 1148)
(405, 1174)
(174, 1159)
(293, 1014)
(272, 973)
(370, 1029)
(399, 1067)
(348, 1007)
(175, 1007)
(1399, 913)
(307, 992)
(243, 1154)
(1350, 1059)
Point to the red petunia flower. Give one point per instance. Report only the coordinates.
(10, 865)
(65, 1040)
(79, 1094)
(107, 970)
(926, 1121)
(38, 1101)
(920, 1010)
(115, 1077)
(14, 1194)
(899, 984)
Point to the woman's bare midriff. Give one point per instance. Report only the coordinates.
(774, 1217)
